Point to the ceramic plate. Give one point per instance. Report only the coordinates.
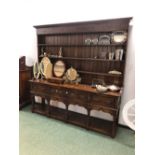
(119, 37)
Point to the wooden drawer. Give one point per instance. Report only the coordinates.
(40, 89)
(104, 101)
(57, 94)
(77, 98)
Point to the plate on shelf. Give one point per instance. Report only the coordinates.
(45, 61)
(104, 40)
(48, 71)
(94, 41)
(119, 37)
(115, 72)
(71, 74)
(87, 41)
(59, 68)
(46, 67)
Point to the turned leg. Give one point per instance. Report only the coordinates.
(43, 103)
(33, 103)
(67, 116)
(88, 118)
(49, 108)
(114, 127)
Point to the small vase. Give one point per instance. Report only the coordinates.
(111, 55)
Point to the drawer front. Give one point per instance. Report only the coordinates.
(57, 94)
(40, 89)
(104, 101)
(75, 97)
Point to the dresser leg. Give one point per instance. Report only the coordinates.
(67, 115)
(43, 104)
(49, 108)
(33, 103)
(114, 127)
(88, 119)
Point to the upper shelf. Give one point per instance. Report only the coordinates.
(81, 45)
(89, 59)
(101, 74)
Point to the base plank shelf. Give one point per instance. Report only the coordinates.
(92, 60)
(93, 123)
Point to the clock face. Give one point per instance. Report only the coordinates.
(59, 68)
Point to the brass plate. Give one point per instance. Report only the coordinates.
(47, 67)
(71, 74)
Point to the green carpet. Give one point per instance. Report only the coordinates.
(40, 135)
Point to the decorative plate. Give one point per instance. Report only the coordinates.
(119, 37)
(48, 71)
(88, 41)
(115, 72)
(46, 67)
(94, 41)
(104, 40)
(71, 74)
(45, 60)
(59, 68)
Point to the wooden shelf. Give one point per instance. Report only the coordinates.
(100, 125)
(85, 59)
(52, 45)
(57, 113)
(39, 109)
(96, 124)
(101, 74)
(77, 118)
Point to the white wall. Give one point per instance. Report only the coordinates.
(48, 12)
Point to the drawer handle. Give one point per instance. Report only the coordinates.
(66, 92)
(56, 90)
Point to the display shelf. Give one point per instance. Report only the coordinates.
(100, 125)
(101, 74)
(77, 118)
(57, 113)
(40, 109)
(52, 45)
(84, 59)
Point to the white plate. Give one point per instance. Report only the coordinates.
(119, 37)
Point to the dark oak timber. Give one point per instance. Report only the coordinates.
(90, 65)
(25, 74)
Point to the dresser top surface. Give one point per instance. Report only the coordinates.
(80, 87)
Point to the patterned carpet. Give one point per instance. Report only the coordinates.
(40, 135)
